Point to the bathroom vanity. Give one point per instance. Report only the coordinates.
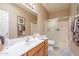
(35, 47)
(40, 50)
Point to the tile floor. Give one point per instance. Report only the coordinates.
(59, 52)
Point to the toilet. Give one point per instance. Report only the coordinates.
(51, 42)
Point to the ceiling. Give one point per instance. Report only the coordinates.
(23, 6)
(53, 7)
(50, 7)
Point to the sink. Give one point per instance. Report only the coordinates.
(20, 47)
(32, 41)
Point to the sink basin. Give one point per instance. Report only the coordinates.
(32, 42)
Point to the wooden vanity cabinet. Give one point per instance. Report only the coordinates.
(39, 50)
(36, 50)
(46, 52)
(46, 47)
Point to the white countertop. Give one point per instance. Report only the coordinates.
(20, 47)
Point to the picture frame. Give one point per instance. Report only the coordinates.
(20, 26)
(20, 20)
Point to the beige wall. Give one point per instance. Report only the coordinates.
(42, 17)
(15, 11)
(72, 10)
(58, 14)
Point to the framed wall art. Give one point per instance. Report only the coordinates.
(20, 20)
(20, 26)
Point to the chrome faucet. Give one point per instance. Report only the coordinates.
(27, 39)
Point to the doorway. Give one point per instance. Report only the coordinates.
(4, 23)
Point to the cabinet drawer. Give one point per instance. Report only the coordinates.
(46, 51)
(46, 41)
(35, 50)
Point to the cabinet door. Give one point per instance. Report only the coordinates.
(41, 52)
(46, 51)
(37, 54)
(35, 50)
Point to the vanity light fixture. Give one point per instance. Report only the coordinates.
(30, 6)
